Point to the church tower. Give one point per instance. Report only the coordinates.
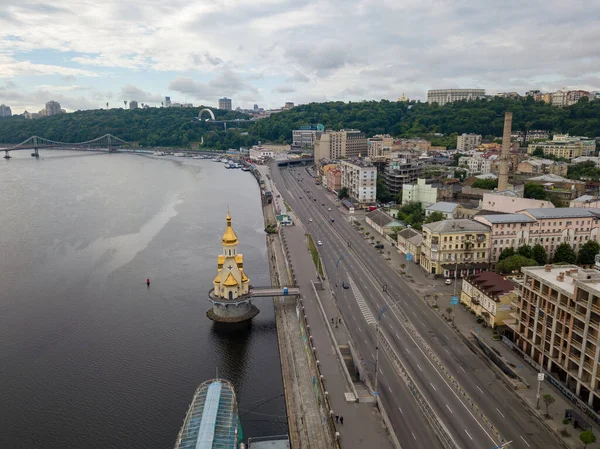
(231, 282)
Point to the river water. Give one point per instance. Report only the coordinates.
(89, 356)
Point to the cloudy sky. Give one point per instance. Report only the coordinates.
(85, 53)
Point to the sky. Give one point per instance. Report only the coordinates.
(86, 53)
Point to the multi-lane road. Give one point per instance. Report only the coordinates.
(426, 346)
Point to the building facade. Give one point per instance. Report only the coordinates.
(333, 145)
(446, 209)
(558, 326)
(451, 245)
(360, 178)
(379, 144)
(5, 111)
(53, 108)
(490, 296)
(476, 164)
(398, 172)
(409, 242)
(225, 103)
(443, 96)
(258, 153)
(306, 136)
(420, 192)
(334, 180)
(133, 104)
(537, 166)
(468, 142)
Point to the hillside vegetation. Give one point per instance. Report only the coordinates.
(174, 127)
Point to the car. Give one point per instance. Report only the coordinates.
(300, 197)
(379, 246)
(322, 204)
(314, 199)
(329, 208)
(310, 219)
(345, 285)
(332, 220)
(448, 281)
(319, 243)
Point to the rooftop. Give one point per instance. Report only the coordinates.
(456, 226)
(508, 218)
(562, 212)
(442, 206)
(586, 198)
(554, 178)
(566, 277)
(492, 284)
(382, 219)
(411, 235)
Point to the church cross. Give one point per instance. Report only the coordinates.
(230, 267)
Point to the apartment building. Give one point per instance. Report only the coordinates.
(5, 111)
(443, 96)
(420, 192)
(476, 164)
(225, 103)
(547, 227)
(468, 142)
(306, 136)
(398, 172)
(360, 178)
(537, 166)
(562, 189)
(409, 242)
(567, 150)
(333, 145)
(379, 144)
(588, 146)
(558, 326)
(451, 245)
(52, 108)
(334, 180)
(133, 104)
(490, 296)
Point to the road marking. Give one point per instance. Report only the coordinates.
(462, 369)
(390, 389)
(468, 434)
(414, 436)
(500, 412)
(479, 388)
(432, 386)
(419, 367)
(407, 350)
(359, 330)
(400, 410)
(447, 351)
(414, 313)
(366, 341)
(450, 409)
(397, 337)
(525, 441)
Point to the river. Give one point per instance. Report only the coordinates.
(89, 356)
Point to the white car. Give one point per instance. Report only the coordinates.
(320, 243)
(329, 208)
(448, 282)
(310, 220)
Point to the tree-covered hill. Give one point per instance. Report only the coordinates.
(174, 126)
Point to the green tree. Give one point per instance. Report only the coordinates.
(383, 194)
(343, 193)
(435, 216)
(564, 253)
(587, 437)
(525, 251)
(488, 184)
(539, 152)
(460, 174)
(587, 252)
(506, 253)
(514, 263)
(539, 254)
(548, 400)
(535, 191)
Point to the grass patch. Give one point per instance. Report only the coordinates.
(287, 207)
(315, 254)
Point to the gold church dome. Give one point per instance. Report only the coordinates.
(229, 238)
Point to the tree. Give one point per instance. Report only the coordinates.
(535, 191)
(526, 251)
(539, 152)
(487, 184)
(548, 400)
(587, 252)
(587, 437)
(382, 193)
(539, 254)
(564, 253)
(460, 174)
(343, 193)
(506, 252)
(514, 263)
(435, 216)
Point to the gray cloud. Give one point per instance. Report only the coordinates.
(285, 89)
(131, 92)
(225, 83)
(298, 77)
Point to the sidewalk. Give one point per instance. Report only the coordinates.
(424, 283)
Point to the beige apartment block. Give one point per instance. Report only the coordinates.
(335, 145)
(490, 296)
(360, 178)
(558, 325)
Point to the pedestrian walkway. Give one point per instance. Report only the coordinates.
(424, 284)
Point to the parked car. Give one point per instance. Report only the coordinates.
(319, 243)
(332, 220)
(379, 246)
(345, 285)
(329, 208)
(448, 281)
(310, 220)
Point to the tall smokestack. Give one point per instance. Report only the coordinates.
(503, 166)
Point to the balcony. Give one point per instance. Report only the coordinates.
(576, 344)
(578, 329)
(590, 351)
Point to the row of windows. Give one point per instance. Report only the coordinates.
(553, 223)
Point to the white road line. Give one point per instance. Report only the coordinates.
(432, 386)
(397, 337)
(479, 388)
(415, 438)
(366, 341)
(414, 313)
(501, 414)
(462, 369)
(525, 441)
(400, 410)
(359, 329)
(447, 351)
(449, 408)
(419, 367)
(390, 389)
(407, 350)
(468, 434)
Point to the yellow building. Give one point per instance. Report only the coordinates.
(490, 296)
(451, 245)
(231, 282)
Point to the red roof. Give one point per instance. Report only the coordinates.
(492, 284)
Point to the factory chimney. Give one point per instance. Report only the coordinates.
(503, 166)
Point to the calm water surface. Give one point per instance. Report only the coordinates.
(90, 357)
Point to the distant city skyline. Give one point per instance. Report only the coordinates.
(270, 53)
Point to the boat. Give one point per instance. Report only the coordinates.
(224, 160)
(216, 160)
(212, 420)
(178, 154)
(159, 153)
(197, 157)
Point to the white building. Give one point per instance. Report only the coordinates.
(443, 96)
(258, 153)
(360, 179)
(467, 142)
(5, 111)
(419, 193)
(476, 164)
(445, 208)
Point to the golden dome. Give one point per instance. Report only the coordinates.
(229, 238)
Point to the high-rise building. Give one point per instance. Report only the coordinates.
(133, 104)
(225, 103)
(167, 102)
(360, 179)
(5, 111)
(467, 142)
(305, 137)
(52, 108)
(443, 96)
(288, 105)
(348, 143)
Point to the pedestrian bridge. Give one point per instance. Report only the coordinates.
(264, 292)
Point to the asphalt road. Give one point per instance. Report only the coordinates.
(368, 271)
